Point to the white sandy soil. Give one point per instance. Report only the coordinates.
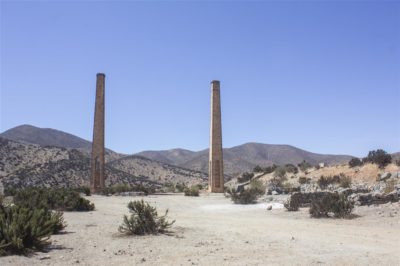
(210, 230)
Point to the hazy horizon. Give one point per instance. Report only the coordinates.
(320, 76)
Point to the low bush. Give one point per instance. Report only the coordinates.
(121, 188)
(379, 157)
(23, 229)
(245, 177)
(304, 166)
(280, 172)
(342, 180)
(398, 162)
(304, 180)
(193, 191)
(335, 203)
(180, 187)
(355, 162)
(270, 169)
(53, 199)
(84, 190)
(247, 195)
(290, 168)
(390, 185)
(10, 191)
(323, 181)
(257, 169)
(144, 220)
(345, 181)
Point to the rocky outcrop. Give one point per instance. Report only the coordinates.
(375, 198)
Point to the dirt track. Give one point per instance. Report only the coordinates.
(209, 231)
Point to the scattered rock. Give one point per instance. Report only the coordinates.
(269, 207)
(46, 257)
(384, 176)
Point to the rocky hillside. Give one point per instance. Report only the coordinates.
(50, 138)
(23, 164)
(244, 157)
(157, 171)
(45, 137)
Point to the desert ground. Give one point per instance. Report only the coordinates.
(210, 230)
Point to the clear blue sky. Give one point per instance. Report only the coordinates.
(322, 76)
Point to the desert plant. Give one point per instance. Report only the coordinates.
(323, 181)
(84, 190)
(355, 162)
(25, 229)
(304, 166)
(345, 181)
(247, 195)
(193, 191)
(270, 169)
(58, 222)
(257, 169)
(335, 203)
(257, 187)
(245, 177)
(290, 168)
(390, 185)
(379, 157)
(398, 162)
(280, 172)
(180, 187)
(53, 199)
(10, 191)
(144, 220)
(292, 203)
(304, 180)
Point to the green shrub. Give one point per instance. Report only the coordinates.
(57, 220)
(84, 190)
(25, 229)
(304, 180)
(180, 187)
(247, 195)
(257, 169)
(257, 187)
(280, 172)
(245, 177)
(193, 191)
(379, 157)
(342, 180)
(54, 199)
(10, 191)
(335, 203)
(304, 166)
(121, 188)
(290, 168)
(144, 220)
(355, 162)
(270, 169)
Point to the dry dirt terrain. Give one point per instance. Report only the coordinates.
(210, 230)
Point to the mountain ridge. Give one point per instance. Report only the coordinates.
(237, 159)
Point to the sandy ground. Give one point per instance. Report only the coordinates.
(209, 230)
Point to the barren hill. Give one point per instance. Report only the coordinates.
(45, 137)
(245, 157)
